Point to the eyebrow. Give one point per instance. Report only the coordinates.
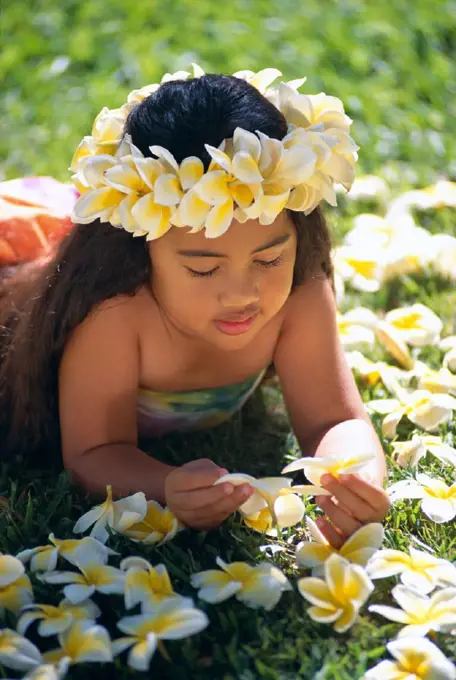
(210, 253)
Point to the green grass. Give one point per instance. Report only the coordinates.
(391, 66)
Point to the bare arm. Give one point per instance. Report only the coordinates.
(98, 382)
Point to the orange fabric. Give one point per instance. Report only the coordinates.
(34, 217)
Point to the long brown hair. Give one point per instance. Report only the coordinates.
(42, 302)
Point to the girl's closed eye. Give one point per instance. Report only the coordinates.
(263, 263)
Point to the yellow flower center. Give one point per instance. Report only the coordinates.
(364, 267)
(408, 321)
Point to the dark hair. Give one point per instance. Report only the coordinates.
(43, 303)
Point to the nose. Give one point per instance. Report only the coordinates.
(239, 291)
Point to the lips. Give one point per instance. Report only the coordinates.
(238, 326)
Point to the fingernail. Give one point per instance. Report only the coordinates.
(229, 488)
(325, 479)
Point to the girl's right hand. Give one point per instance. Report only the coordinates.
(192, 498)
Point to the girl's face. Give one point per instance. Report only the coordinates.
(224, 290)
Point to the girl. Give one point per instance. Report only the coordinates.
(120, 335)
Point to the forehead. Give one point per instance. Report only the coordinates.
(240, 237)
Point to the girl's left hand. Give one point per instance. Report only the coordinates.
(357, 503)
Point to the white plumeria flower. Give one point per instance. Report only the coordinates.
(83, 642)
(369, 186)
(418, 570)
(442, 380)
(17, 652)
(389, 337)
(358, 549)
(420, 613)
(417, 658)
(15, 587)
(55, 620)
(118, 515)
(338, 598)
(45, 557)
(49, 671)
(274, 500)
(417, 324)
(448, 345)
(356, 328)
(337, 464)
(361, 267)
(169, 620)
(423, 408)
(93, 576)
(258, 586)
(147, 585)
(371, 371)
(157, 526)
(444, 260)
(411, 451)
(438, 500)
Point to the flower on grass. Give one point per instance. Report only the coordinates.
(336, 465)
(55, 620)
(48, 671)
(94, 575)
(427, 410)
(258, 586)
(82, 642)
(371, 371)
(145, 584)
(392, 341)
(157, 526)
(420, 613)
(418, 570)
(44, 557)
(168, 620)
(411, 451)
(118, 515)
(438, 500)
(448, 345)
(416, 659)
(273, 502)
(417, 325)
(356, 328)
(358, 549)
(340, 595)
(17, 652)
(15, 587)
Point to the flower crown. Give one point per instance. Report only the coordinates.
(250, 176)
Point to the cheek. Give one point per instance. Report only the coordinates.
(276, 287)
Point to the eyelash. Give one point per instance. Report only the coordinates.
(211, 272)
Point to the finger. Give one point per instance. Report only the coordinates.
(339, 518)
(372, 494)
(198, 474)
(222, 505)
(206, 498)
(349, 501)
(330, 533)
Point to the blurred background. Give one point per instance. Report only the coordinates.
(392, 65)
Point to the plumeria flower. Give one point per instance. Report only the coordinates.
(17, 652)
(438, 500)
(423, 408)
(389, 337)
(358, 549)
(258, 586)
(48, 671)
(369, 186)
(145, 584)
(356, 328)
(418, 570)
(45, 557)
(15, 587)
(417, 325)
(55, 620)
(157, 526)
(371, 371)
(82, 642)
(411, 451)
(338, 598)
(273, 502)
(93, 576)
(118, 515)
(417, 658)
(335, 465)
(448, 345)
(420, 613)
(362, 268)
(168, 620)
